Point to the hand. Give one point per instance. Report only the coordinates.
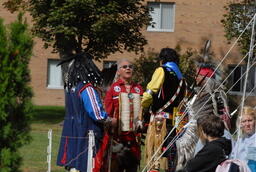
(110, 122)
(139, 125)
(113, 122)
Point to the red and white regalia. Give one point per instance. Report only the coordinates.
(125, 107)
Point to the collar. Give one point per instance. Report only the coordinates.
(171, 66)
(121, 82)
(249, 135)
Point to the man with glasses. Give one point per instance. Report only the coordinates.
(122, 101)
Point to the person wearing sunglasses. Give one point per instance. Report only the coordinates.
(164, 92)
(122, 102)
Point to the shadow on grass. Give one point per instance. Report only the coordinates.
(48, 114)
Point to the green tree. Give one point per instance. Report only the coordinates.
(145, 65)
(100, 27)
(15, 100)
(237, 17)
(187, 63)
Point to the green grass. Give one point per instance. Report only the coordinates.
(35, 154)
(48, 114)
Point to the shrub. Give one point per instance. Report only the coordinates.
(15, 100)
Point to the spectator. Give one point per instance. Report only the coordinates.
(245, 146)
(216, 149)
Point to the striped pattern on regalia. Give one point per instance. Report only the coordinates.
(130, 111)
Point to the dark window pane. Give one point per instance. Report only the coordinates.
(236, 77)
(108, 64)
(251, 80)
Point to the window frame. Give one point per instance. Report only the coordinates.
(48, 86)
(109, 63)
(151, 29)
(240, 93)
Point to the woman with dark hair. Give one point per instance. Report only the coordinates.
(164, 92)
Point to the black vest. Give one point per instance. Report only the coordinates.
(168, 89)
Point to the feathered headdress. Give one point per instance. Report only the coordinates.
(211, 99)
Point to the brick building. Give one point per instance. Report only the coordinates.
(185, 22)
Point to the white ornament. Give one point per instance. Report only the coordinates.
(117, 89)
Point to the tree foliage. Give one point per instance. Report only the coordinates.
(236, 19)
(145, 65)
(187, 63)
(15, 100)
(100, 27)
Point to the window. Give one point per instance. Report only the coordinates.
(162, 15)
(54, 79)
(108, 64)
(238, 84)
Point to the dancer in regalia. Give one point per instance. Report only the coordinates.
(84, 112)
(209, 98)
(122, 102)
(164, 93)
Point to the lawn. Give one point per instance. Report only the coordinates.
(35, 154)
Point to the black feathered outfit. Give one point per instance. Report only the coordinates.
(84, 113)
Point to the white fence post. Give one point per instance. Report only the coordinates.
(49, 150)
(91, 144)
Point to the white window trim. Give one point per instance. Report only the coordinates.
(240, 93)
(112, 62)
(47, 82)
(173, 20)
(54, 87)
(237, 93)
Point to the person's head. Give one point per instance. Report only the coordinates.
(169, 55)
(124, 69)
(247, 120)
(210, 126)
(81, 68)
(204, 73)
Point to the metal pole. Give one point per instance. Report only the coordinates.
(247, 71)
(49, 150)
(249, 58)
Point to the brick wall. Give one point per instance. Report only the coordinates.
(195, 21)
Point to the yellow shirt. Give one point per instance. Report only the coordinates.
(154, 86)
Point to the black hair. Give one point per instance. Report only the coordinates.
(81, 68)
(169, 55)
(211, 125)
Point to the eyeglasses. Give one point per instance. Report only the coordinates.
(127, 66)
